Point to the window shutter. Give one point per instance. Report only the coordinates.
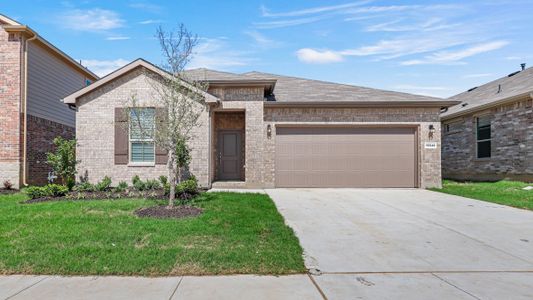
(121, 136)
(160, 120)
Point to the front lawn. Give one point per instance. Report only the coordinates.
(236, 233)
(501, 192)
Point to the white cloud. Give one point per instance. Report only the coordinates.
(398, 26)
(214, 53)
(314, 10)
(261, 40)
(147, 22)
(117, 38)
(479, 75)
(308, 55)
(447, 57)
(513, 57)
(147, 7)
(103, 67)
(91, 20)
(288, 23)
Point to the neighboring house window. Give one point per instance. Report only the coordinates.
(142, 127)
(483, 135)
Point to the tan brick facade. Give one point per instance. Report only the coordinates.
(241, 108)
(511, 145)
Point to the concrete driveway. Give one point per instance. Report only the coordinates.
(409, 243)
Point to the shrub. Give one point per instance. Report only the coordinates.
(104, 184)
(152, 184)
(63, 160)
(122, 186)
(189, 186)
(84, 187)
(138, 184)
(8, 185)
(50, 190)
(163, 179)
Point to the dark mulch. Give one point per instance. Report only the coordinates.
(97, 195)
(163, 212)
(6, 191)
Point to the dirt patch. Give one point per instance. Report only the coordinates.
(162, 212)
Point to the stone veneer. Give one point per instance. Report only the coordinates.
(511, 145)
(10, 117)
(95, 131)
(429, 159)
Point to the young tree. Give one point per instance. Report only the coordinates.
(63, 160)
(183, 100)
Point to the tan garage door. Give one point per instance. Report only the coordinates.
(345, 157)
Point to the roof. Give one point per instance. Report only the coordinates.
(300, 91)
(72, 98)
(508, 88)
(10, 25)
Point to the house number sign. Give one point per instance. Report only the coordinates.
(430, 145)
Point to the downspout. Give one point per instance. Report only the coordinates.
(25, 106)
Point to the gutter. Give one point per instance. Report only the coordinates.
(25, 106)
(360, 104)
(528, 95)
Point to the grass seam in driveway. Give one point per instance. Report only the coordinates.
(236, 234)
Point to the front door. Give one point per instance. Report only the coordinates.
(229, 155)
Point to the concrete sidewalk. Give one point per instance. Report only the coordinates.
(493, 285)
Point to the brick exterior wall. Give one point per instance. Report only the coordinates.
(429, 159)
(10, 95)
(95, 132)
(41, 134)
(511, 145)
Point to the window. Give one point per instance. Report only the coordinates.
(483, 136)
(142, 127)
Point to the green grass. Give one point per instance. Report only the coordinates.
(236, 234)
(501, 192)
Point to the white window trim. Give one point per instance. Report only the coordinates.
(130, 141)
(476, 118)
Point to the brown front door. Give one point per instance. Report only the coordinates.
(229, 155)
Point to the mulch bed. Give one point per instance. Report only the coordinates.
(7, 192)
(85, 196)
(163, 212)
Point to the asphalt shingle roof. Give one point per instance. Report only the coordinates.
(293, 89)
(499, 89)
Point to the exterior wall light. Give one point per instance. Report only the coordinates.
(431, 131)
(269, 131)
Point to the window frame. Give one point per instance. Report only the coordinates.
(476, 127)
(141, 140)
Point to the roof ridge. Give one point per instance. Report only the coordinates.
(342, 84)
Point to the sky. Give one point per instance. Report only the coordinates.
(437, 48)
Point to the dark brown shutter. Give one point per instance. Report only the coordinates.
(121, 136)
(160, 120)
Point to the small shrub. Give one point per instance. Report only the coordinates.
(189, 186)
(163, 179)
(8, 185)
(104, 184)
(152, 184)
(84, 187)
(121, 187)
(138, 184)
(50, 190)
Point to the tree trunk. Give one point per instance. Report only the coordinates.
(171, 178)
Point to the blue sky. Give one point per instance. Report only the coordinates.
(435, 48)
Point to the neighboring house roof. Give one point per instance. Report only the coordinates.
(10, 25)
(72, 98)
(512, 87)
(292, 91)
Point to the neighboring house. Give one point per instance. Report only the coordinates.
(489, 136)
(34, 76)
(263, 130)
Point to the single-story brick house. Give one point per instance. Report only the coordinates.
(34, 77)
(489, 136)
(263, 130)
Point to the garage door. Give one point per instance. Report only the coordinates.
(345, 157)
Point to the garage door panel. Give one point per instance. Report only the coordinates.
(345, 157)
